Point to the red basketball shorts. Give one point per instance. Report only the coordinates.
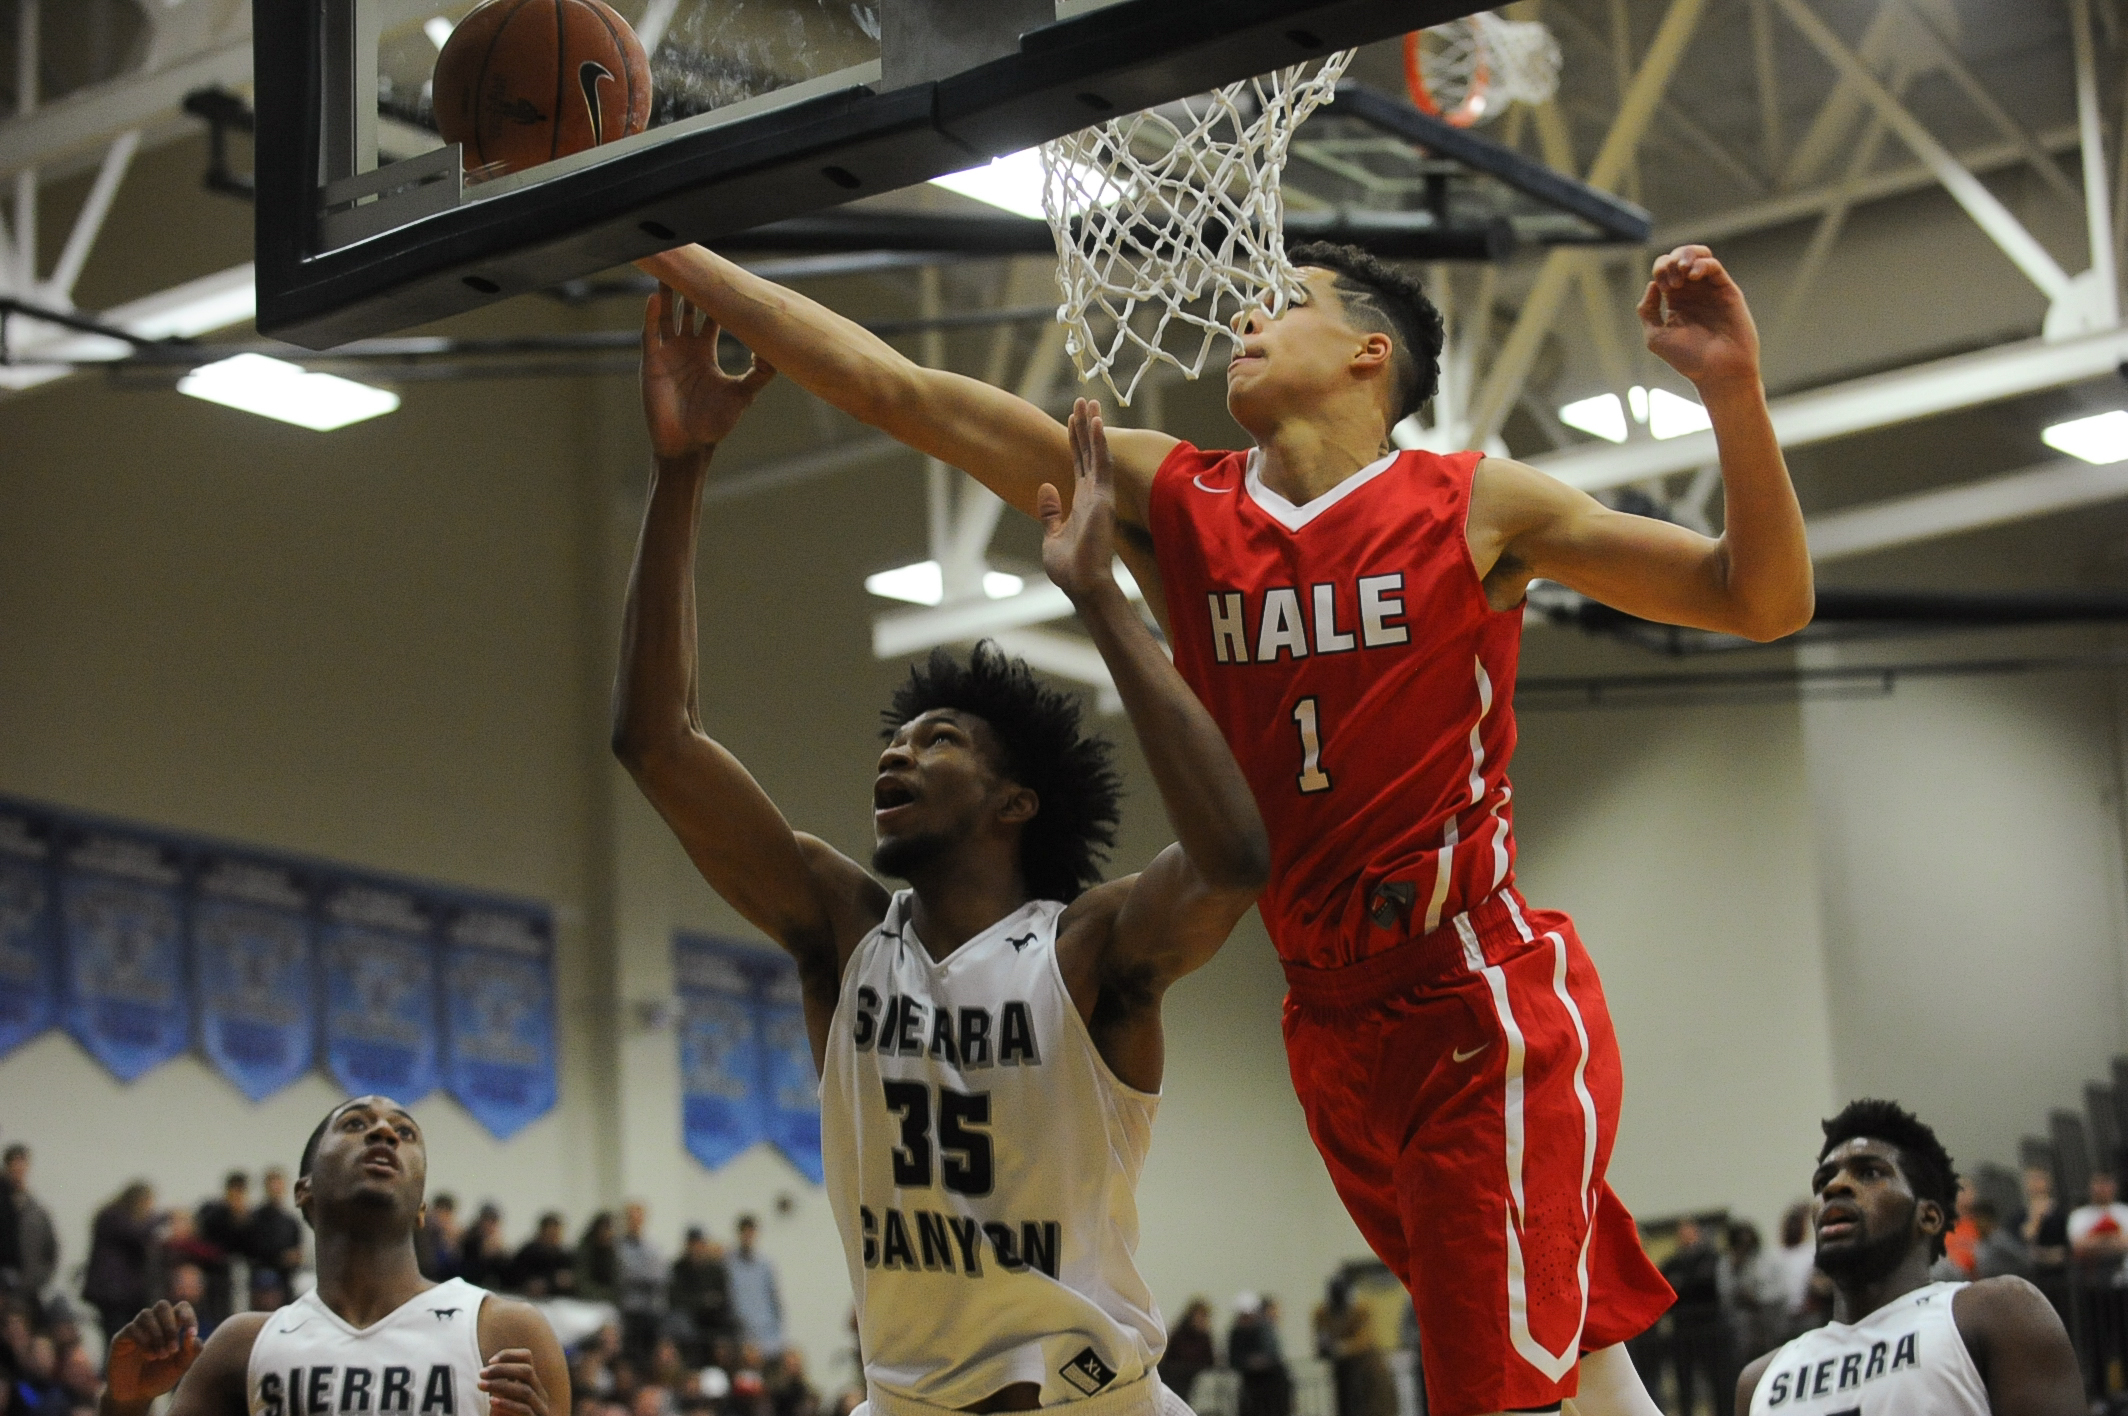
(1463, 1088)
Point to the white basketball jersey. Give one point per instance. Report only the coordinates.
(423, 1359)
(983, 1165)
(1905, 1359)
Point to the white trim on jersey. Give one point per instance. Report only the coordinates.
(1295, 518)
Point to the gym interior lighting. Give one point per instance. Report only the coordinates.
(274, 388)
(1665, 414)
(2102, 438)
(923, 584)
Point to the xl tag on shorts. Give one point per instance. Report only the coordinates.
(1087, 1372)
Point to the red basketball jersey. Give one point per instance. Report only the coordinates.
(1346, 650)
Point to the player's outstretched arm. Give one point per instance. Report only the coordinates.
(999, 438)
(1754, 579)
(1182, 907)
(797, 890)
(2017, 1341)
(160, 1350)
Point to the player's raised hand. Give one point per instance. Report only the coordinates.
(1696, 320)
(689, 401)
(513, 1385)
(1079, 550)
(150, 1354)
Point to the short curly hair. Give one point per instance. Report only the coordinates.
(1384, 300)
(1071, 773)
(1922, 1158)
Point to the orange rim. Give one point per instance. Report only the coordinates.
(1465, 113)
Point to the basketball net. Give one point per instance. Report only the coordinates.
(1468, 71)
(1169, 223)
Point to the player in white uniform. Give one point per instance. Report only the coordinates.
(990, 1037)
(374, 1338)
(1898, 1344)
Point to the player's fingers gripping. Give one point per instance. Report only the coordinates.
(1049, 510)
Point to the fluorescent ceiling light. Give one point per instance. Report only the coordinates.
(2102, 438)
(1603, 416)
(437, 29)
(1014, 183)
(923, 584)
(1672, 417)
(274, 388)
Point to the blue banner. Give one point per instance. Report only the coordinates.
(380, 992)
(123, 920)
(790, 1092)
(498, 967)
(29, 930)
(720, 1057)
(255, 972)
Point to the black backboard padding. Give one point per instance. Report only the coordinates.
(761, 169)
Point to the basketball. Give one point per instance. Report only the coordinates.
(521, 82)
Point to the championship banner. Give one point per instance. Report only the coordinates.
(29, 929)
(791, 1088)
(498, 968)
(122, 919)
(720, 1055)
(254, 971)
(380, 992)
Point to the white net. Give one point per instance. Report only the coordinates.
(1469, 71)
(1169, 223)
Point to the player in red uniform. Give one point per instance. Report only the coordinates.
(1351, 616)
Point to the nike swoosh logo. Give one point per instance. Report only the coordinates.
(1461, 1056)
(303, 1324)
(1216, 491)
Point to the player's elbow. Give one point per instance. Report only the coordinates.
(1773, 618)
(1243, 869)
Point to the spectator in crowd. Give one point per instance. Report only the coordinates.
(789, 1393)
(1189, 1349)
(484, 1259)
(642, 1281)
(1754, 1299)
(755, 1299)
(598, 1261)
(436, 1248)
(36, 1242)
(273, 1236)
(2098, 1231)
(79, 1377)
(222, 1225)
(1344, 1336)
(1998, 1251)
(544, 1267)
(1795, 1262)
(188, 1284)
(701, 1296)
(121, 1257)
(1266, 1383)
(1695, 1343)
(37, 1389)
(2044, 1225)
(1960, 1240)
(269, 1290)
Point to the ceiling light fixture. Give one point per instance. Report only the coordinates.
(2101, 438)
(924, 584)
(1602, 416)
(274, 388)
(438, 29)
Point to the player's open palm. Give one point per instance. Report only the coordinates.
(151, 1353)
(689, 402)
(1078, 550)
(1696, 320)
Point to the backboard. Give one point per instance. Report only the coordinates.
(768, 109)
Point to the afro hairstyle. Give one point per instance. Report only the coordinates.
(1381, 299)
(1922, 1158)
(1071, 773)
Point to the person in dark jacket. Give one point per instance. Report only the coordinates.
(1695, 1346)
(223, 1225)
(544, 1267)
(273, 1236)
(1189, 1349)
(598, 1264)
(483, 1258)
(700, 1296)
(122, 1242)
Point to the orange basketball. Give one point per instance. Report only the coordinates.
(521, 82)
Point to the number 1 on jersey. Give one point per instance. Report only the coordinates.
(1312, 776)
